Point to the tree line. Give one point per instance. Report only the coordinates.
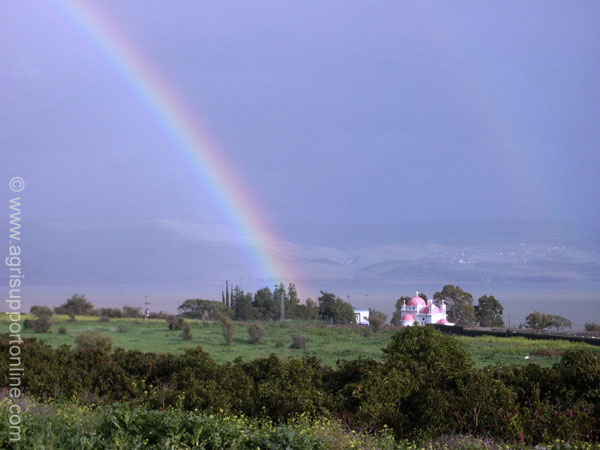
(266, 304)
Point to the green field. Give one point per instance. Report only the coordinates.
(328, 343)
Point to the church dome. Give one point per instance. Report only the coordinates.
(408, 318)
(434, 310)
(416, 301)
(442, 321)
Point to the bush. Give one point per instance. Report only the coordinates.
(123, 329)
(228, 328)
(279, 344)
(92, 340)
(175, 322)
(299, 341)
(257, 333)
(42, 325)
(367, 332)
(104, 319)
(187, 332)
(62, 330)
(376, 320)
(28, 324)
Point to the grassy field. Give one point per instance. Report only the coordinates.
(327, 343)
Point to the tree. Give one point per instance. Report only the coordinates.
(201, 309)
(335, 310)
(227, 296)
(540, 321)
(41, 311)
(76, 305)
(376, 320)
(397, 317)
(267, 306)
(592, 326)
(459, 305)
(134, 312)
(308, 311)
(489, 312)
(242, 305)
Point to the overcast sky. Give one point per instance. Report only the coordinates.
(327, 112)
(332, 111)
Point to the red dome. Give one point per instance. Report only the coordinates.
(408, 318)
(416, 301)
(442, 321)
(435, 310)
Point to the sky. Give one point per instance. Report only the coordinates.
(321, 113)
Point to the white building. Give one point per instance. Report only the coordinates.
(420, 312)
(361, 316)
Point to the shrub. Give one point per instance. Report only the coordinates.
(123, 329)
(62, 330)
(299, 341)
(93, 339)
(257, 333)
(187, 332)
(367, 332)
(28, 324)
(72, 318)
(42, 325)
(228, 328)
(104, 319)
(279, 343)
(376, 320)
(175, 322)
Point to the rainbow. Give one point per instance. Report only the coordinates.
(242, 211)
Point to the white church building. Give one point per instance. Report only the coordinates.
(420, 312)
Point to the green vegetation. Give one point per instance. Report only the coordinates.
(460, 305)
(489, 312)
(425, 388)
(73, 427)
(540, 321)
(328, 343)
(78, 427)
(592, 327)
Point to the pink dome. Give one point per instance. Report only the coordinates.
(434, 310)
(442, 321)
(408, 318)
(416, 301)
